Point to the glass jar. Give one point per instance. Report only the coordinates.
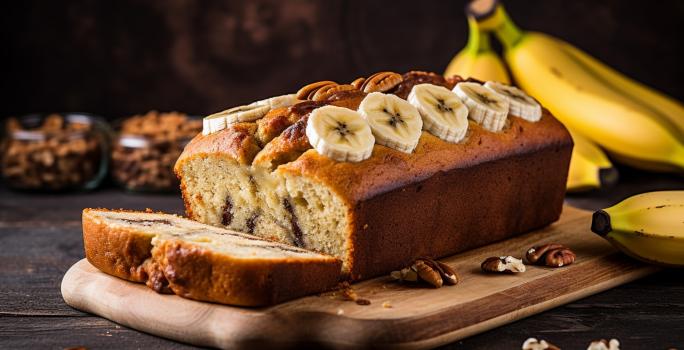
(55, 152)
(147, 147)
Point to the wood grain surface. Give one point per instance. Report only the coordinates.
(419, 317)
(41, 239)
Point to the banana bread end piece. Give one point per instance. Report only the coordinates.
(175, 255)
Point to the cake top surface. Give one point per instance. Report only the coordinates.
(279, 139)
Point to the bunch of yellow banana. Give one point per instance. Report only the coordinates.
(648, 227)
(589, 167)
(477, 59)
(635, 124)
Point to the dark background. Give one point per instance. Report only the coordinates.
(118, 58)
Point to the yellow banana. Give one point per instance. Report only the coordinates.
(666, 105)
(628, 128)
(477, 59)
(649, 227)
(590, 168)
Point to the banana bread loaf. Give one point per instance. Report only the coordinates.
(176, 255)
(501, 177)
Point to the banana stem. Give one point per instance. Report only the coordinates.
(507, 32)
(478, 40)
(600, 223)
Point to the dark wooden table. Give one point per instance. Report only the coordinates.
(40, 238)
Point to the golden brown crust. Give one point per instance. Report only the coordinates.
(200, 274)
(292, 142)
(285, 148)
(526, 163)
(118, 252)
(460, 209)
(237, 141)
(273, 123)
(197, 273)
(388, 169)
(277, 120)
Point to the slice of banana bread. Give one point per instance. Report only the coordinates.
(175, 255)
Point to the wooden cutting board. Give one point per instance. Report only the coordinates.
(412, 317)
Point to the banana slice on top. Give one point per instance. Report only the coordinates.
(247, 113)
(279, 101)
(395, 123)
(486, 107)
(213, 123)
(520, 104)
(444, 114)
(340, 134)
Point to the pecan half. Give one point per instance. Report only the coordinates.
(306, 92)
(425, 269)
(551, 254)
(358, 82)
(414, 78)
(381, 82)
(503, 264)
(324, 93)
(536, 254)
(448, 274)
(453, 80)
(303, 108)
(348, 98)
(428, 274)
(560, 257)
